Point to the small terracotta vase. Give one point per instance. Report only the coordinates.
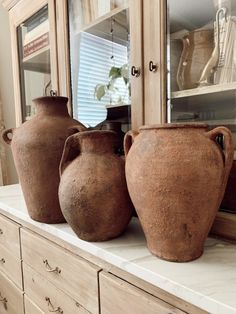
(115, 126)
(93, 193)
(176, 176)
(37, 146)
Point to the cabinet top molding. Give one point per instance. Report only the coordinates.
(208, 282)
(8, 4)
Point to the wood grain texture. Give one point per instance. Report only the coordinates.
(13, 295)
(9, 236)
(31, 307)
(77, 277)
(8, 4)
(38, 288)
(136, 59)
(154, 43)
(224, 227)
(11, 266)
(118, 296)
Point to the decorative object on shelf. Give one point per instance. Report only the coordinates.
(207, 76)
(176, 176)
(176, 47)
(197, 49)
(93, 192)
(37, 146)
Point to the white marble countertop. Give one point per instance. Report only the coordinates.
(208, 282)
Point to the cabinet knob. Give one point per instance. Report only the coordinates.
(135, 71)
(153, 67)
(2, 260)
(1, 232)
(51, 307)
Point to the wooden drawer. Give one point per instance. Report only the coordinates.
(11, 266)
(31, 307)
(119, 297)
(11, 296)
(48, 297)
(10, 236)
(68, 272)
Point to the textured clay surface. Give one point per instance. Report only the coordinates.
(93, 192)
(176, 177)
(37, 147)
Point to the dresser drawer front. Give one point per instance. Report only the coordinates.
(47, 296)
(10, 236)
(11, 297)
(119, 297)
(31, 307)
(73, 275)
(11, 266)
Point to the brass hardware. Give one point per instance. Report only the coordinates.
(135, 71)
(50, 269)
(2, 261)
(153, 67)
(1, 232)
(4, 301)
(53, 92)
(51, 307)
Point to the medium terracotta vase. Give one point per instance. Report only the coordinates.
(93, 193)
(37, 147)
(176, 176)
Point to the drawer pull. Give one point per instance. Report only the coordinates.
(1, 232)
(4, 301)
(2, 260)
(50, 269)
(51, 307)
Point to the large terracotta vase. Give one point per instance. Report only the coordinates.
(37, 147)
(93, 192)
(176, 176)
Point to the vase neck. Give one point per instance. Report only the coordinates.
(51, 105)
(96, 141)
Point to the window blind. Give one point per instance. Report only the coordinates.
(94, 66)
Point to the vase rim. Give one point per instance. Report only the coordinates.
(63, 98)
(174, 126)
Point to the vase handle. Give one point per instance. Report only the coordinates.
(128, 140)
(76, 128)
(228, 150)
(5, 136)
(70, 152)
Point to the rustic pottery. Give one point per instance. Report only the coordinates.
(37, 146)
(176, 176)
(197, 49)
(115, 126)
(93, 193)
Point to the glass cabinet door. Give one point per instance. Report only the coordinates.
(202, 62)
(34, 60)
(99, 34)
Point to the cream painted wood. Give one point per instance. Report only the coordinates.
(17, 15)
(11, 298)
(10, 236)
(75, 276)
(47, 296)
(8, 4)
(120, 297)
(11, 266)
(157, 292)
(31, 307)
(154, 43)
(63, 51)
(136, 60)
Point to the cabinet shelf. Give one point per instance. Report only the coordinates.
(38, 61)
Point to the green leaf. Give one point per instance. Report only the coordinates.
(100, 91)
(115, 72)
(124, 70)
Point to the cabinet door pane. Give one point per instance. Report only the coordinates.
(34, 60)
(100, 61)
(202, 61)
